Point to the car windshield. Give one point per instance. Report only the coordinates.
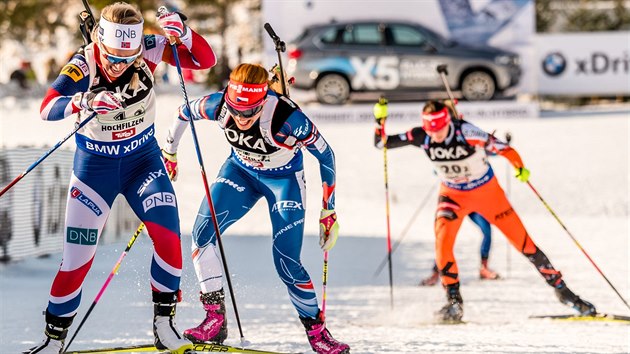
(438, 37)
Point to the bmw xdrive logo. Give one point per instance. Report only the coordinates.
(554, 64)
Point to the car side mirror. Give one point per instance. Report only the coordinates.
(429, 47)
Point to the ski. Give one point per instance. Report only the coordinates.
(604, 317)
(197, 348)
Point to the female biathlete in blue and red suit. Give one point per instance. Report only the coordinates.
(459, 151)
(267, 132)
(118, 154)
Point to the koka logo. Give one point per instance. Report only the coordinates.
(452, 153)
(245, 140)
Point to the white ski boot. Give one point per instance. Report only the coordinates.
(55, 332)
(167, 336)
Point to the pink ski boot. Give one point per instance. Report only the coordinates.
(320, 338)
(214, 327)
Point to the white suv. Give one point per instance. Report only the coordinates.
(339, 58)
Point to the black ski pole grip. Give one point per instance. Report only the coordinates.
(271, 32)
(442, 69)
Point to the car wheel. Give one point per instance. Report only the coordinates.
(478, 86)
(332, 89)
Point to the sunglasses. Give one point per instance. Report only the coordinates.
(247, 113)
(114, 59)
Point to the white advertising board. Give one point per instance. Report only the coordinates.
(32, 212)
(405, 111)
(593, 63)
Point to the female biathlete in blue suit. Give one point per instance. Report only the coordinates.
(267, 132)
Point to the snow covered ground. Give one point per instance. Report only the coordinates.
(579, 163)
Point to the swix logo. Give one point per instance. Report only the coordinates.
(245, 140)
(286, 205)
(78, 195)
(452, 153)
(124, 134)
(152, 177)
(159, 199)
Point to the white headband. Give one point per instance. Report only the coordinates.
(119, 36)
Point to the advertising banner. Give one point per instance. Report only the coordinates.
(33, 211)
(593, 63)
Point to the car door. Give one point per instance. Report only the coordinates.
(419, 55)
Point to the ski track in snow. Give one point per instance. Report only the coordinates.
(579, 164)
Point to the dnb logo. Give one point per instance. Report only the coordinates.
(554, 64)
(159, 199)
(79, 236)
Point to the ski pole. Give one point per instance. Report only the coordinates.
(107, 281)
(577, 243)
(382, 100)
(280, 47)
(215, 223)
(407, 227)
(32, 166)
(508, 188)
(441, 69)
(324, 282)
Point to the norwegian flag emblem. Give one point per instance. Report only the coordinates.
(125, 45)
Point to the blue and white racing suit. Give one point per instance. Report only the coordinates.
(117, 154)
(266, 161)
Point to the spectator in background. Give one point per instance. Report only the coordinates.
(23, 76)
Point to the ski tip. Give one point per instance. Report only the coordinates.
(604, 317)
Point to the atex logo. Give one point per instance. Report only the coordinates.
(159, 199)
(79, 236)
(78, 195)
(286, 205)
(554, 64)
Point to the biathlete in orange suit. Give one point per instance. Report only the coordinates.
(459, 151)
